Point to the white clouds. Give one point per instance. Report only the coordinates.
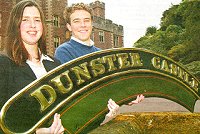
(134, 15)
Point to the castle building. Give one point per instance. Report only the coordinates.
(5, 8)
(105, 34)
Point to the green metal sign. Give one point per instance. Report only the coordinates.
(79, 90)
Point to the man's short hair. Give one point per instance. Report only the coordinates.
(78, 6)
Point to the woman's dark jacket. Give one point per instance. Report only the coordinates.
(13, 77)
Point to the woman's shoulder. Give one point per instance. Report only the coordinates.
(50, 62)
(53, 59)
(5, 63)
(4, 59)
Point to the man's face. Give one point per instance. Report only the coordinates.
(81, 25)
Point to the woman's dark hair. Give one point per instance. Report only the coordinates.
(14, 46)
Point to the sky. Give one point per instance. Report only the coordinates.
(134, 15)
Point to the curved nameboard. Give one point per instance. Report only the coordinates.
(79, 90)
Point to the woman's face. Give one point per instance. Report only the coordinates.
(31, 26)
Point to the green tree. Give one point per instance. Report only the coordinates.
(178, 36)
(171, 17)
(151, 30)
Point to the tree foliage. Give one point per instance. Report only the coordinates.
(179, 34)
(151, 30)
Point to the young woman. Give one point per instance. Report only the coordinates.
(25, 57)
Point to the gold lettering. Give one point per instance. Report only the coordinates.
(81, 71)
(173, 69)
(135, 59)
(186, 77)
(109, 59)
(122, 60)
(180, 73)
(164, 66)
(97, 67)
(59, 84)
(44, 102)
(156, 62)
(195, 84)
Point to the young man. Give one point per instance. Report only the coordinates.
(78, 19)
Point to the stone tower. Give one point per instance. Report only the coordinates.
(98, 8)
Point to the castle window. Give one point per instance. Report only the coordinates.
(56, 41)
(116, 40)
(56, 20)
(101, 36)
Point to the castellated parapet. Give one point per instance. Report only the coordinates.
(107, 25)
(98, 8)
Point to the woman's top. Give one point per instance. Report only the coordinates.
(13, 77)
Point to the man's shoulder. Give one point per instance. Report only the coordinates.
(64, 45)
(97, 48)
